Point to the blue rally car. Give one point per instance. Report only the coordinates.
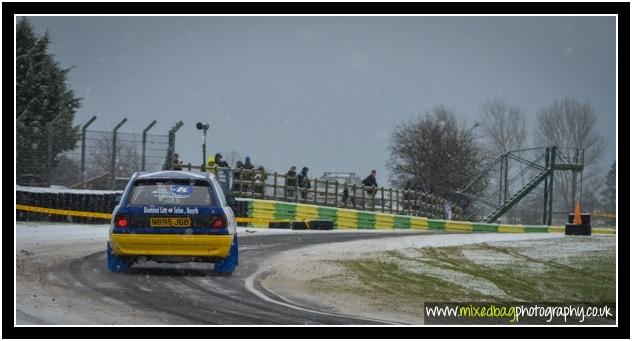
(173, 216)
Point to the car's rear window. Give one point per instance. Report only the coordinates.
(171, 192)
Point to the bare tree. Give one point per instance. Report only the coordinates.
(65, 172)
(434, 154)
(569, 125)
(127, 161)
(504, 130)
(503, 126)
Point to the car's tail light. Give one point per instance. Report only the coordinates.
(121, 222)
(219, 222)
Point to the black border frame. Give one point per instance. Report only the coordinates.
(622, 9)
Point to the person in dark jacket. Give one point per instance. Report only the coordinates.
(177, 164)
(248, 173)
(237, 176)
(220, 162)
(260, 180)
(290, 182)
(370, 181)
(346, 197)
(248, 164)
(303, 182)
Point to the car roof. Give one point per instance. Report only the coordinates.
(173, 175)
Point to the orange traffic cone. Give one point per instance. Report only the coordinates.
(577, 219)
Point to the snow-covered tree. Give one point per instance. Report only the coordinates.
(42, 100)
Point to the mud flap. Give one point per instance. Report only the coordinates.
(116, 263)
(228, 264)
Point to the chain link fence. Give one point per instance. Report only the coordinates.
(98, 160)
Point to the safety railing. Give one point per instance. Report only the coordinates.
(257, 184)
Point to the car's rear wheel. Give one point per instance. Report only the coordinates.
(227, 265)
(116, 263)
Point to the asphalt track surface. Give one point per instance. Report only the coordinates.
(191, 293)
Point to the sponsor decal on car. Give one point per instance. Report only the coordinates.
(171, 210)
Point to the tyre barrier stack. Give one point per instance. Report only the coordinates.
(64, 205)
(582, 229)
(266, 213)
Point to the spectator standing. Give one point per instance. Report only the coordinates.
(290, 182)
(211, 166)
(447, 210)
(177, 164)
(248, 176)
(247, 171)
(345, 197)
(219, 160)
(370, 182)
(237, 176)
(303, 182)
(260, 180)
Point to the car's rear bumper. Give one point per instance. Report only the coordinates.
(171, 245)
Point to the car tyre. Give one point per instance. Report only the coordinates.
(227, 265)
(116, 263)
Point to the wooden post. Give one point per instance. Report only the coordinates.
(252, 184)
(363, 199)
(326, 191)
(354, 196)
(397, 198)
(390, 199)
(315, 190)
(241, 182)
(382, 190)
(336, 194)
(285, 187)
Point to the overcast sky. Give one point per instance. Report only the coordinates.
(325, 92)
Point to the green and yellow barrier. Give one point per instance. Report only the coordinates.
(261, 212)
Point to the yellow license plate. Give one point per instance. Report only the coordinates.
(168, 222)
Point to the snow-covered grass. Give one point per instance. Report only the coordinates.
(391, 278)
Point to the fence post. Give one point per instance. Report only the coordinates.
(354, 196)
(142, 167)
(363, 199)
(113, 161)
(251, 186)
(336, 194)
(326, 191)
(390, 199)
(83, 150)
(315, 190)
(382, 198)
(241, 182)
(275, 186)
(397, 198)
(172, 146)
